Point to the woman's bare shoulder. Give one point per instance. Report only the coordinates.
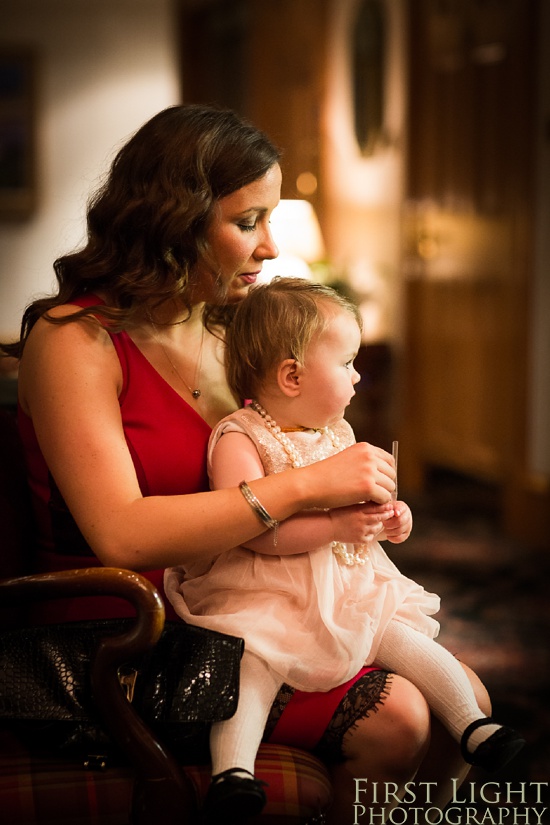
(48, 339)
(54, 351)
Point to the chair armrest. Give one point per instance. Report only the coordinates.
(161, 783)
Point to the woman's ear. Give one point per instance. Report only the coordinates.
(288, 377)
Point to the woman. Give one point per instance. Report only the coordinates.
(122, 378)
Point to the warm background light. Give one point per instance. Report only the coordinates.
(297, 233)
(306, 183)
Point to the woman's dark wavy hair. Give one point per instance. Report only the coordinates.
(146, 224)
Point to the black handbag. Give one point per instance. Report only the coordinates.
(189, 680)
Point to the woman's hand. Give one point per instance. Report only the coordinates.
(360, 523)
(360, 473)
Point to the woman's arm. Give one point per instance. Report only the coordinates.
(69, 384)
(235, 458)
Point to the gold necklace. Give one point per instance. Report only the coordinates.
(297, 429)
(196, 393)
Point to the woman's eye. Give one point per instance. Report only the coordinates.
(247, 227)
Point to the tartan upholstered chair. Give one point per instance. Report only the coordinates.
(150, 786)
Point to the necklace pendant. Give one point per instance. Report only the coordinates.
(196, 393)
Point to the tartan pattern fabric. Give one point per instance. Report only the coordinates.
(298, 791)
(52, 791)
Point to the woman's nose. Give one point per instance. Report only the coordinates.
(267, 249)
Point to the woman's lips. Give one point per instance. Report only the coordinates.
(249, 277)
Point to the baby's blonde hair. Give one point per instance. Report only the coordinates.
(276, 321)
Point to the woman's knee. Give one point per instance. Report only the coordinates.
(398, 733)
(407, 718)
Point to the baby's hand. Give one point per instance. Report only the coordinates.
(398, 526)
(360, 523)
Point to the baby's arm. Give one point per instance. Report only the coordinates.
(235, 458)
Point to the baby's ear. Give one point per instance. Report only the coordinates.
(288, 377)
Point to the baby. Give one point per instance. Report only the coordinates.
(315, 597)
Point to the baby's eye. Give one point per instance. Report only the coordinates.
(349, 364)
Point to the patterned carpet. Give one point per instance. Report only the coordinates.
(495, 614)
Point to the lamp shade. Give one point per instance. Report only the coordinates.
(296, 230)
(297, 233)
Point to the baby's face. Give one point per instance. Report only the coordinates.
(329, 377)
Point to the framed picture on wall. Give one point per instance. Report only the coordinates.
(17, 133)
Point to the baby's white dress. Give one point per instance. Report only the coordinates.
(315, 620)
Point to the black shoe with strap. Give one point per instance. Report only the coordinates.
(496, 751)
(232, 798)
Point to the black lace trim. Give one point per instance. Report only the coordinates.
(281, 701)
(366, 695)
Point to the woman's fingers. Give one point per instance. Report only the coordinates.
(379, 472)
(360, 473)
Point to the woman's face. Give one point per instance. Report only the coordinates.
(239, 240)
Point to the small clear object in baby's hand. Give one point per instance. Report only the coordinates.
(394, 452)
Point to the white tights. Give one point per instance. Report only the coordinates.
(429, 666)
(235, 742)
(439, 677)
